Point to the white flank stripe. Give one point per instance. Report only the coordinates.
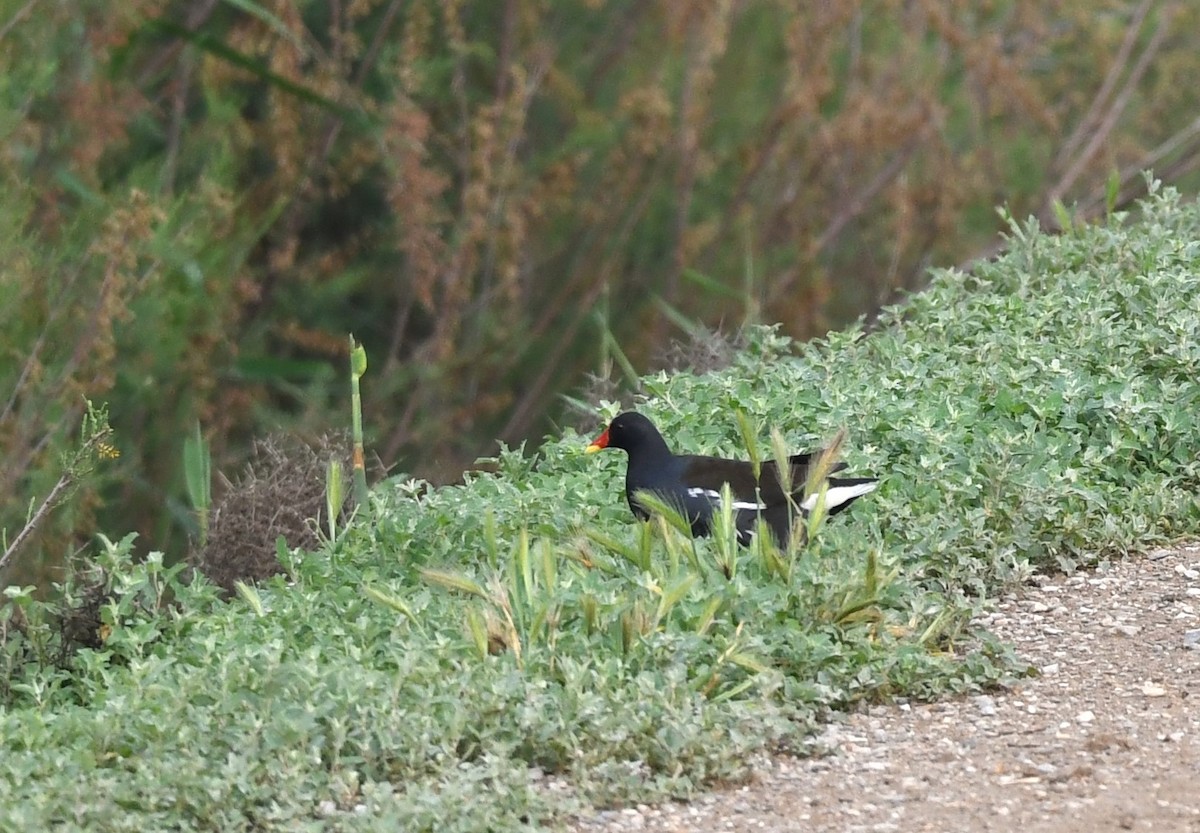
(715, 497)
(837, 495)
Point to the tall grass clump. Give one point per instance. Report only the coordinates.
(490, 655)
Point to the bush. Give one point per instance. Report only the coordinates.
(452, 665)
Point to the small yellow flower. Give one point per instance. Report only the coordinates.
(108, 451)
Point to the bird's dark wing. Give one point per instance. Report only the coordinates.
(801, 464)
(709, 474)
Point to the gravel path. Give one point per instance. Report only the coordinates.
(1106, 738)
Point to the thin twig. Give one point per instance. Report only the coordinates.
(1100, 100)
(16, 18)
(686, 172)
(584, 299)
(1106, 125)
(1185, 140)
(33, 523)
(854, 206)
(197, 16)
(858, 202)
(175, 127)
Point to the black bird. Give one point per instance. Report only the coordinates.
(692, 483)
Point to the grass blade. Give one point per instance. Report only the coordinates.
(672, 596)
(454, 581)
(750, 439)
(250, 594)
(651, 502)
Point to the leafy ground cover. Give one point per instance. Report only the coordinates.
(425, 671)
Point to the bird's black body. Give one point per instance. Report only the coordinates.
(693, 483)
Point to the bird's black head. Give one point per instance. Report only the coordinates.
(629, 431)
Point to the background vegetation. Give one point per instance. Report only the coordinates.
(200, 199)
(489, 655)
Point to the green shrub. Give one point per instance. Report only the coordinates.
(442, 668)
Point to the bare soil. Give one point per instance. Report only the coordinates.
(1106, 737)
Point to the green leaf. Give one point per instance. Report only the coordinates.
(358, 359)
(1112, 191)
(197, 475)
(334, 495)
(1063, 216)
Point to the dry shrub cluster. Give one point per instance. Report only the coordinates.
(280, 494)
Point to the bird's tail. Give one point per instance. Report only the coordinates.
(841, 493)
